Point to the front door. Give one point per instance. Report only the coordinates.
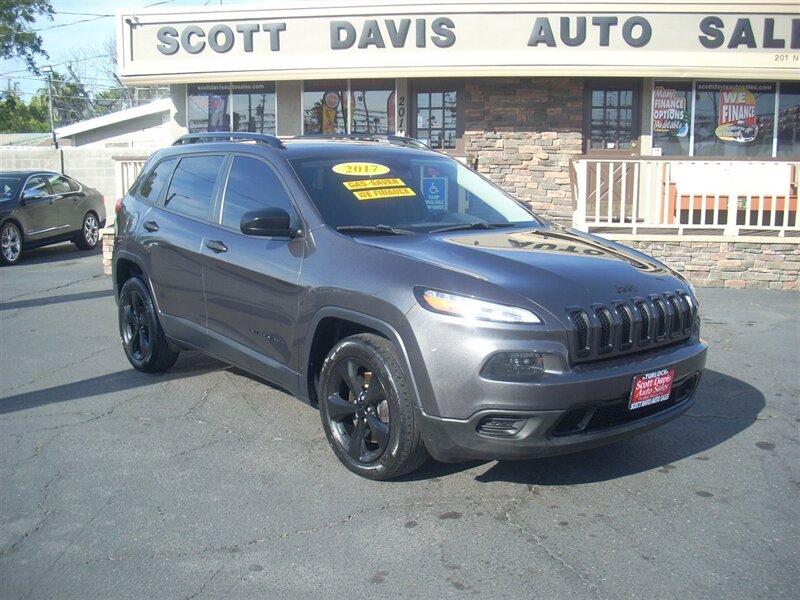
(251, 283)
(611, 133)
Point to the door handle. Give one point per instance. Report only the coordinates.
(216, 246)
(150, 226)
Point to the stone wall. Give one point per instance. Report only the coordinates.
(521, 133)
(730, 264)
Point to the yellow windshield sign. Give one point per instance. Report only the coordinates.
(368, 184)
(387, 193)
(360, 168)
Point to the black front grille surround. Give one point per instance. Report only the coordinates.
(599, 416)
(601, 331)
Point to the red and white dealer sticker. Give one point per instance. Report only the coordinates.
(651, 388)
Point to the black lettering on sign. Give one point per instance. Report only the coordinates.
(401, 113)
(247, 30)
(580, 33)
(337, 29)
(186, 39)
(398, 35)
(604, 24)
(371, 35)
(542, 33)
(227, 38)
(421, 33)
(444, 36)
(644, 29)
(742, 34)
(168, 36)
(274, 30)
(713, 36)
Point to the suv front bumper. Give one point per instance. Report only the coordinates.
(592, 410)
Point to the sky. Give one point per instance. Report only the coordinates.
(81, 28)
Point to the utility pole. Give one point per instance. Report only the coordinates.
(49, 70)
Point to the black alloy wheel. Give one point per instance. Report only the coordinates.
(366, 409)
(142, 337)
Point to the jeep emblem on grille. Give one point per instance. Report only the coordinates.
(625, 289)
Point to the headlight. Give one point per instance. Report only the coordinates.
(472, 308)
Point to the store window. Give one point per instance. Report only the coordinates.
(232, 107)
(439, 117)
(672, 111)
(730, 119)
(373, 107)
(734, 119)
(357, 106)
(789, 120)
(612, 116)
(325, 107)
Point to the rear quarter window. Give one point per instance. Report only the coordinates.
(154, 181)
(191, 190)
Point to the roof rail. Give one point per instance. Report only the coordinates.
(230, 136)
(397, 140)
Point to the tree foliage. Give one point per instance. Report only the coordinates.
(17, 39)
(18, 117)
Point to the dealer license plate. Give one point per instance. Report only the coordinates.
(651, 388)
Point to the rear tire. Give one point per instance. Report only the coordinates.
(142, 337)
(366, 409)
(10, 243)
(89, 234)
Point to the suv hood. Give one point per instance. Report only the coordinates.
(553, 267)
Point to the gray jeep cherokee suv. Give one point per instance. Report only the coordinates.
(422, 309)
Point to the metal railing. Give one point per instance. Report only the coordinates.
(685, 196)
(126, 170)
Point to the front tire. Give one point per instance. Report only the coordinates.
(89, 234)
(10, 243)
(142, 337)
(366, 409)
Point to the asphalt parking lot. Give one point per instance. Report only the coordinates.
(206, 483)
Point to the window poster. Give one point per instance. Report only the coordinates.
(670, 111)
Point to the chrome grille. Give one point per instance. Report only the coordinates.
(625, 326)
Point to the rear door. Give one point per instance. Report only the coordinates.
(39, 213)
(66, 202)
(172, 235)
(251, 283)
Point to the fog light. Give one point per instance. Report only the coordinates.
(514, 366)
(501, 425)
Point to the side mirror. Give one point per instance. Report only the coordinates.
(32, 194)
(268, 222)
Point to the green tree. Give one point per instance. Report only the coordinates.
(17, 39)
(18, 117)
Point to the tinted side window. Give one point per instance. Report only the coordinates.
(155, 181)
(59, 184)
(37, 183)
(191, 191)
(252, 184)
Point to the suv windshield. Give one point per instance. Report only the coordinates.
(411, 191)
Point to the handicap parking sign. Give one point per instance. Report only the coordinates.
(434, 190)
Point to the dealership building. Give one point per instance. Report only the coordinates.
(672, 126)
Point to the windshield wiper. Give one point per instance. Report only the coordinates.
(373, 229)
(471, 226)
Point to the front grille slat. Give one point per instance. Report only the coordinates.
(605, 343)
(600, 331)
